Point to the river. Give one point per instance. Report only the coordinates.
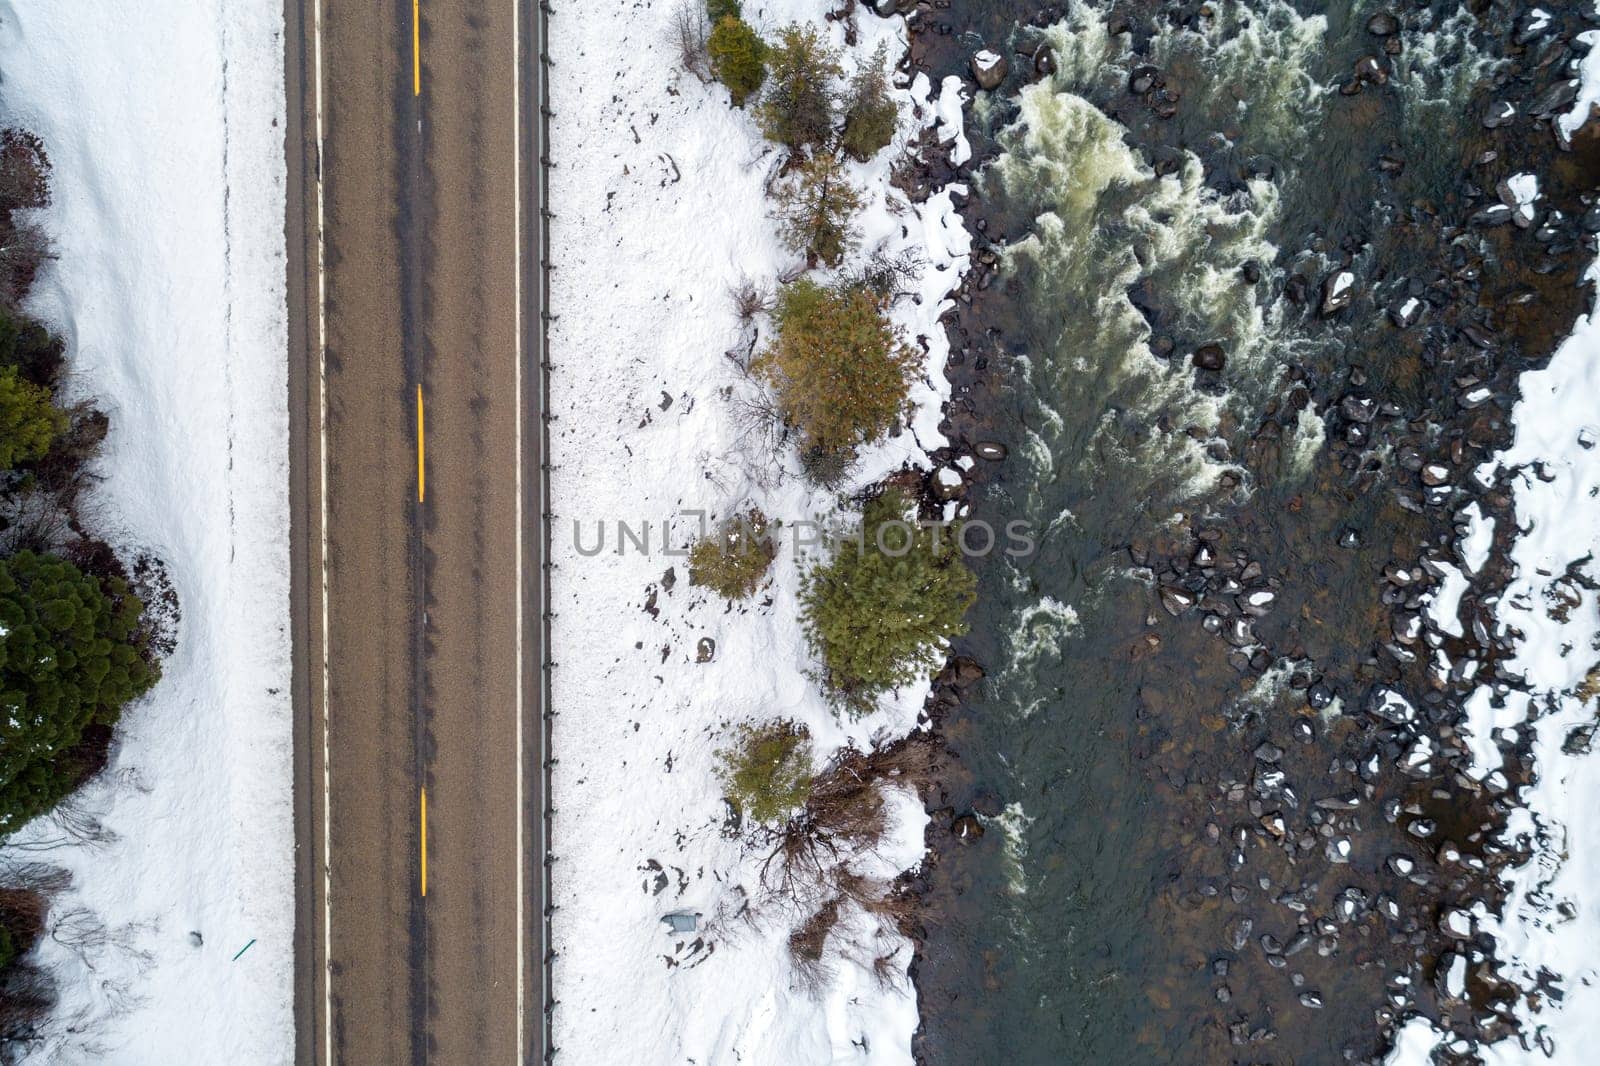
(1253, 320)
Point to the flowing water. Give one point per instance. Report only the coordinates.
(1184, 668)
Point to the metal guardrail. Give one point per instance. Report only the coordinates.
(547, 663)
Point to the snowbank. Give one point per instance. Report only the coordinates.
(661, 210)
(166, 133)
(1552, 924)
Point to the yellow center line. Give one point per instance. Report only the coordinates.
(416, 47)
(424, 842)
(422, 450)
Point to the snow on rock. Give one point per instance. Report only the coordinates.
(1477, 537)
(1444, 603)
(1552, 919)
(663, 210)
(166, 134)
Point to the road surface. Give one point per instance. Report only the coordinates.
(413, 229)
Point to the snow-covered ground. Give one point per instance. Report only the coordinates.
(165, 126)
(1552, 924)
(659, 193)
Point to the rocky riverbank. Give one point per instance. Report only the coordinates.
(1263, 819)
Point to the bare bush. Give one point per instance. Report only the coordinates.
(809, 942)
(890, 276)
(21, 252)
(24, 171)
(688, 34)
(750, 299)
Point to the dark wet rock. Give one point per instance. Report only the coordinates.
(1383, 24)
(947, 486)
(1338, 291)
(991, 450)
(1176, 600)
(1210, 357)
(1223, 994)
(964, 670)
(1044, 60)
(1369, 70)
(1350, 538)
(1267, 751)
(1358, 408)
(1297, 288)
(1318, 696)
(1347, 802)
(1162, 347)
(1351, 87)
(1422, 828)
(989, 68)
(1478, 336)
(1401, 865)
(1530, 28)
(1557, 98)
(1491, 216)
(1500, 113)
(1142, 79)
(1407, 312)
(967, 829)
(705, 650)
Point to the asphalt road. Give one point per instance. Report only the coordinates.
(415, 437)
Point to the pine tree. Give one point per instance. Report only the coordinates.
(869, 115)
(880, 612)
(840, 368)
(796, 110)
(817, 206)
(766, 774)
(738, 57)
(71, 655)
(29, 422)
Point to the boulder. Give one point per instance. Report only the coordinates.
(989, 68)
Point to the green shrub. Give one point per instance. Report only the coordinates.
(738, 58)
(734, 558)
(71, 656)
(29, 422)
(839, 367)
(766, 773)
(869, 114)
(717, 10)
(796, 109)
(817, 208)
(879, 614)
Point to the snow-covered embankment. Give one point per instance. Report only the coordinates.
(165, 127)
(661, 201)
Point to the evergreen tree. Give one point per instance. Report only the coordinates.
(29, 422)
(869, 114)
(738, 58)
(71, 655)
(840, 368)
(880, 612)
(816, 210)
(766, 774)
(717, 10)
(796, 109)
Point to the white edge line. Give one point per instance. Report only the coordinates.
(516, 169)
(322, 436)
